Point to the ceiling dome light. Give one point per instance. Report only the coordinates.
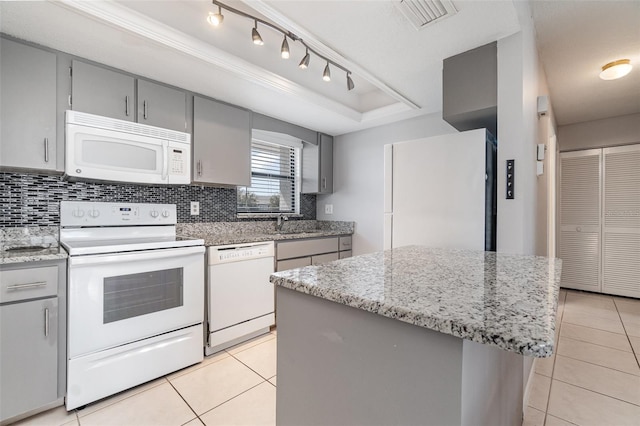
(304, 63)
(255, 35)
(284, 50)
(616, 69)
(326, 75)
(350, 84)
(216, 19)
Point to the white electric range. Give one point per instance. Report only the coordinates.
(135, 296)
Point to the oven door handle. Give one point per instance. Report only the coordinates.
(113, 258)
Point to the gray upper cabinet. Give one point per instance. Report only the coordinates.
(221, 143)
(101, 91)
(326, 163)
(470, 89)
(28, 107)
(161, 106)
(317, 166)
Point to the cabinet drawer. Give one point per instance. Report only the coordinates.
(324, 258)
(290, 249)
(283, 265)
(345, 243)
(21, 284)
(345, 254)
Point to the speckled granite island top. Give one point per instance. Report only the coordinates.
(498, 299)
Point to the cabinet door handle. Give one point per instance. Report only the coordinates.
(46, 322)
(144, 110)
(324, 183)
(199, 167)
(25, 286)
(46, 150)
(126, 106)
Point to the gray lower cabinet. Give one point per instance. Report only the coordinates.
(313, 251)
(344, 247)
(29, 362)
(221, 143)
(100, 91)
(317, 166)
(32, 338)
(161, 106)
(27, 107)
(345, 254)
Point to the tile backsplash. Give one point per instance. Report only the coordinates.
(34, 199)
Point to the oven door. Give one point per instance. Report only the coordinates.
(120, 298)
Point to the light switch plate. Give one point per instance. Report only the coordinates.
(195, 208)
(511, 179)
(328, 209)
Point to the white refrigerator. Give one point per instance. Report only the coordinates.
(441, 191)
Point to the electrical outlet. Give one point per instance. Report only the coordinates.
(195, 208)
(328, 209)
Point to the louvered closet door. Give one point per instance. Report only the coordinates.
(580, 211)
(621, 221)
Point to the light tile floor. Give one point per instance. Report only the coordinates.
(594, 376)
(232, 387)
(592, 379)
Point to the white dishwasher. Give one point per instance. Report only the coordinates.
(240, 296)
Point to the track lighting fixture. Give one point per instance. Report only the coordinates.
(304, 63)
(326, 75)
(284, 50)
(350, 84)
(217, 18)
(255, 35)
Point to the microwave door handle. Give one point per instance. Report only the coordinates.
(165, 160)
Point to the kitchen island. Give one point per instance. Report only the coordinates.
(413, 335)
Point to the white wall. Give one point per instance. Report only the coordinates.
(622, 130)
(358, 178)
(521, 80)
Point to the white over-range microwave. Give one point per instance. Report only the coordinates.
(102, 148)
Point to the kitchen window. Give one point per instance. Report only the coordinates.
(275, 175)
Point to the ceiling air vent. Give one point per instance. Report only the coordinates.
(423, 12)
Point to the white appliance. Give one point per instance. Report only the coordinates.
(102, 148)
(441, 191)
(241, 298)
(135, 297)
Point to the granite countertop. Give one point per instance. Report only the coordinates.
(503, 300)
(30, 244)
(223, 233)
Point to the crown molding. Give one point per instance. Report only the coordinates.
(274, 15)
(129, 20)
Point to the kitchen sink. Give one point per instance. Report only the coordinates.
(21, 249)
(299, 232)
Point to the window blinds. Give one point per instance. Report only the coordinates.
(273, 180)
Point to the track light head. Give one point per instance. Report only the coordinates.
(284, 50)
(216, 19)
(326, 75)
(304, 63)
(255, 35)
(350, 84)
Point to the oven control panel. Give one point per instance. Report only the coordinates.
(86, 213)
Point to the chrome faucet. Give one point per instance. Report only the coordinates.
(280, 222)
